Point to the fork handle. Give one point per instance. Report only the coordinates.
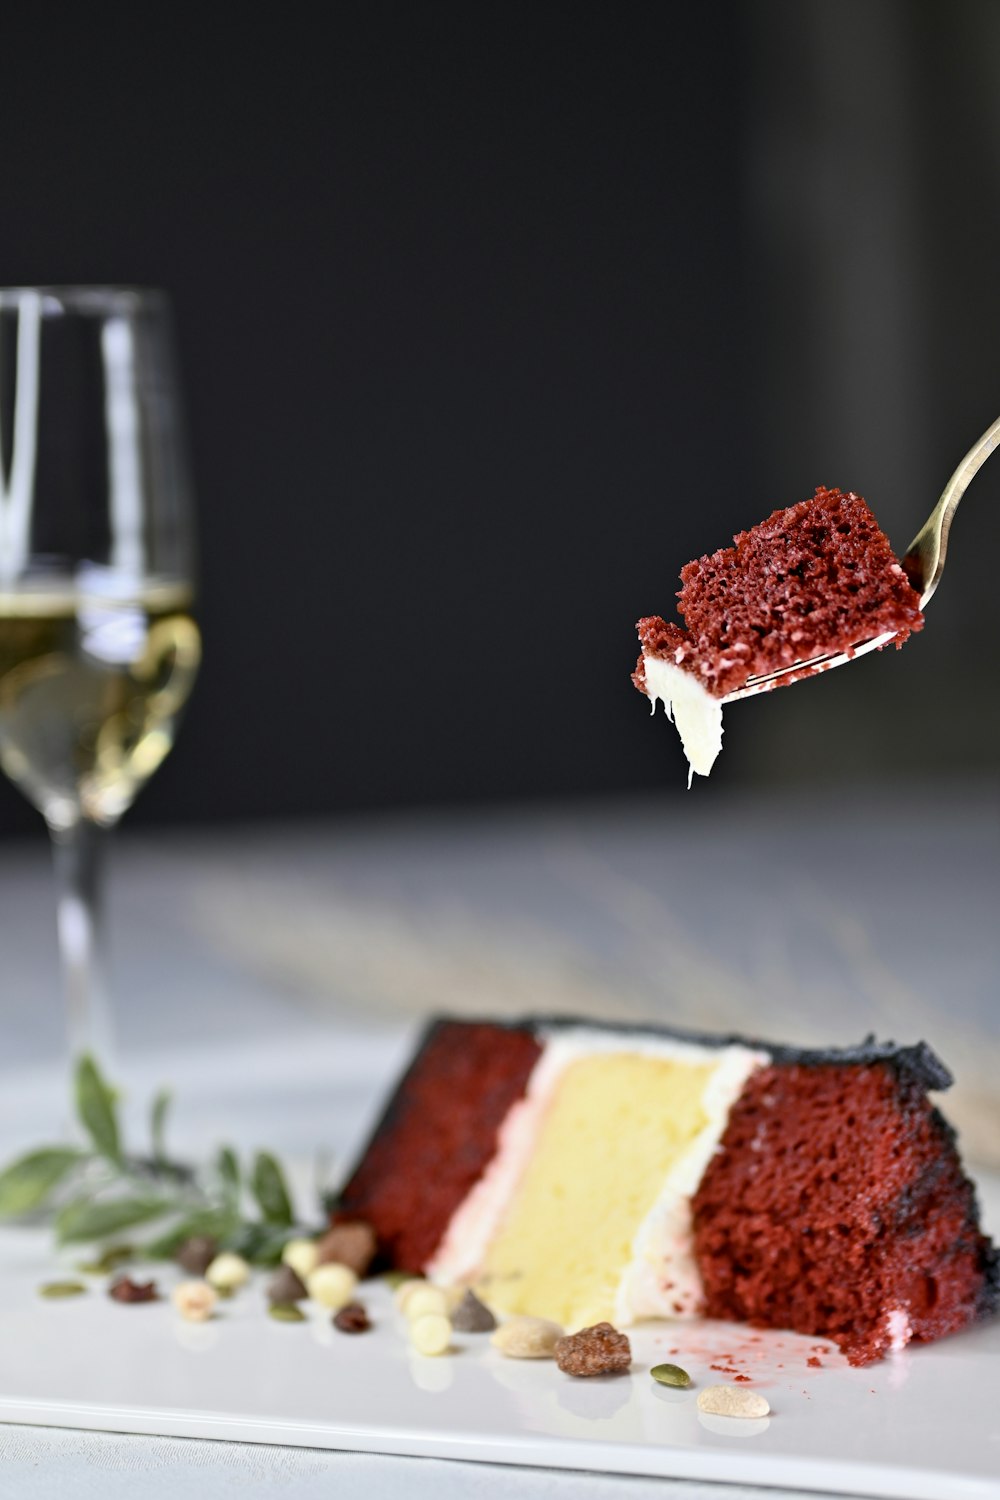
(924, 560)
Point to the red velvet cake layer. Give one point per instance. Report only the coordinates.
(837, 1195)
(816, 578)
(437, 1136)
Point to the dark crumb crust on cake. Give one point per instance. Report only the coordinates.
(814, 578)
(917, 1058)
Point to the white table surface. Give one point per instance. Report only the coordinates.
(249, 962)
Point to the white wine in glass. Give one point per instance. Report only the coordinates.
(98, 645)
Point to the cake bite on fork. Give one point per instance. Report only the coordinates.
(810, 588)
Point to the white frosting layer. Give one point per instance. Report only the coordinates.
(661, 1279)
(899, 1328)
(696, 714)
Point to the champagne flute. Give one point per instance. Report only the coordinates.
(98, 647)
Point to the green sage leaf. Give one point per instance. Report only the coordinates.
(96, 1107)
(109, 1260)
(217, 1222)
(29, 1180)
(157, 1124)
(260, 1244)
(84, 1219)
(269, 1189)
(228, 1167)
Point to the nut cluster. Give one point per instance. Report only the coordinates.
(309, 1269)
(124, 1289)
(326, 1270)
(598, 1350)
(527, 1338)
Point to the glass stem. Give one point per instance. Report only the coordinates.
(78, 852)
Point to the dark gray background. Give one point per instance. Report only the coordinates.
(492, 317)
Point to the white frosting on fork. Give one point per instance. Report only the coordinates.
(690, 707)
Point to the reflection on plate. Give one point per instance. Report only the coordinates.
(915, 1426)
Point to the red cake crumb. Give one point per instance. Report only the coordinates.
(814, 1363)
(438, 1136)
(795, 1227)
(816, 578)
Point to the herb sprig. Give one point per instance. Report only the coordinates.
(98, 1190)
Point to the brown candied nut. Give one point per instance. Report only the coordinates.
(197, 1253)
(351, 1244)
(127, 1290)
(352, 1319)
(598, 1350)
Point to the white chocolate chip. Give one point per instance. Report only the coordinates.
(425, 1299)
(194, 1300)
(430, 1333)
(228, 1272)
(527, 1338)
(331, 1285)
(731, 1401)
(302, 1256)
(405, 1291)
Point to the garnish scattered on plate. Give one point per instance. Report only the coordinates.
(98, 1190)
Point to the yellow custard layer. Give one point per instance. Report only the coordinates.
(615, 1127)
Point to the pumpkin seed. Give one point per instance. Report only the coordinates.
(286, 1312)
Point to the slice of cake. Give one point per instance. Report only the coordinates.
(586, 1173)
(813, 580)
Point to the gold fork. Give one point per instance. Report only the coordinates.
(924, 564)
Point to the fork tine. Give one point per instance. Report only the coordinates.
(811, 668)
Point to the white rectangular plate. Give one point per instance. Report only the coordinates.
(924, 1425)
